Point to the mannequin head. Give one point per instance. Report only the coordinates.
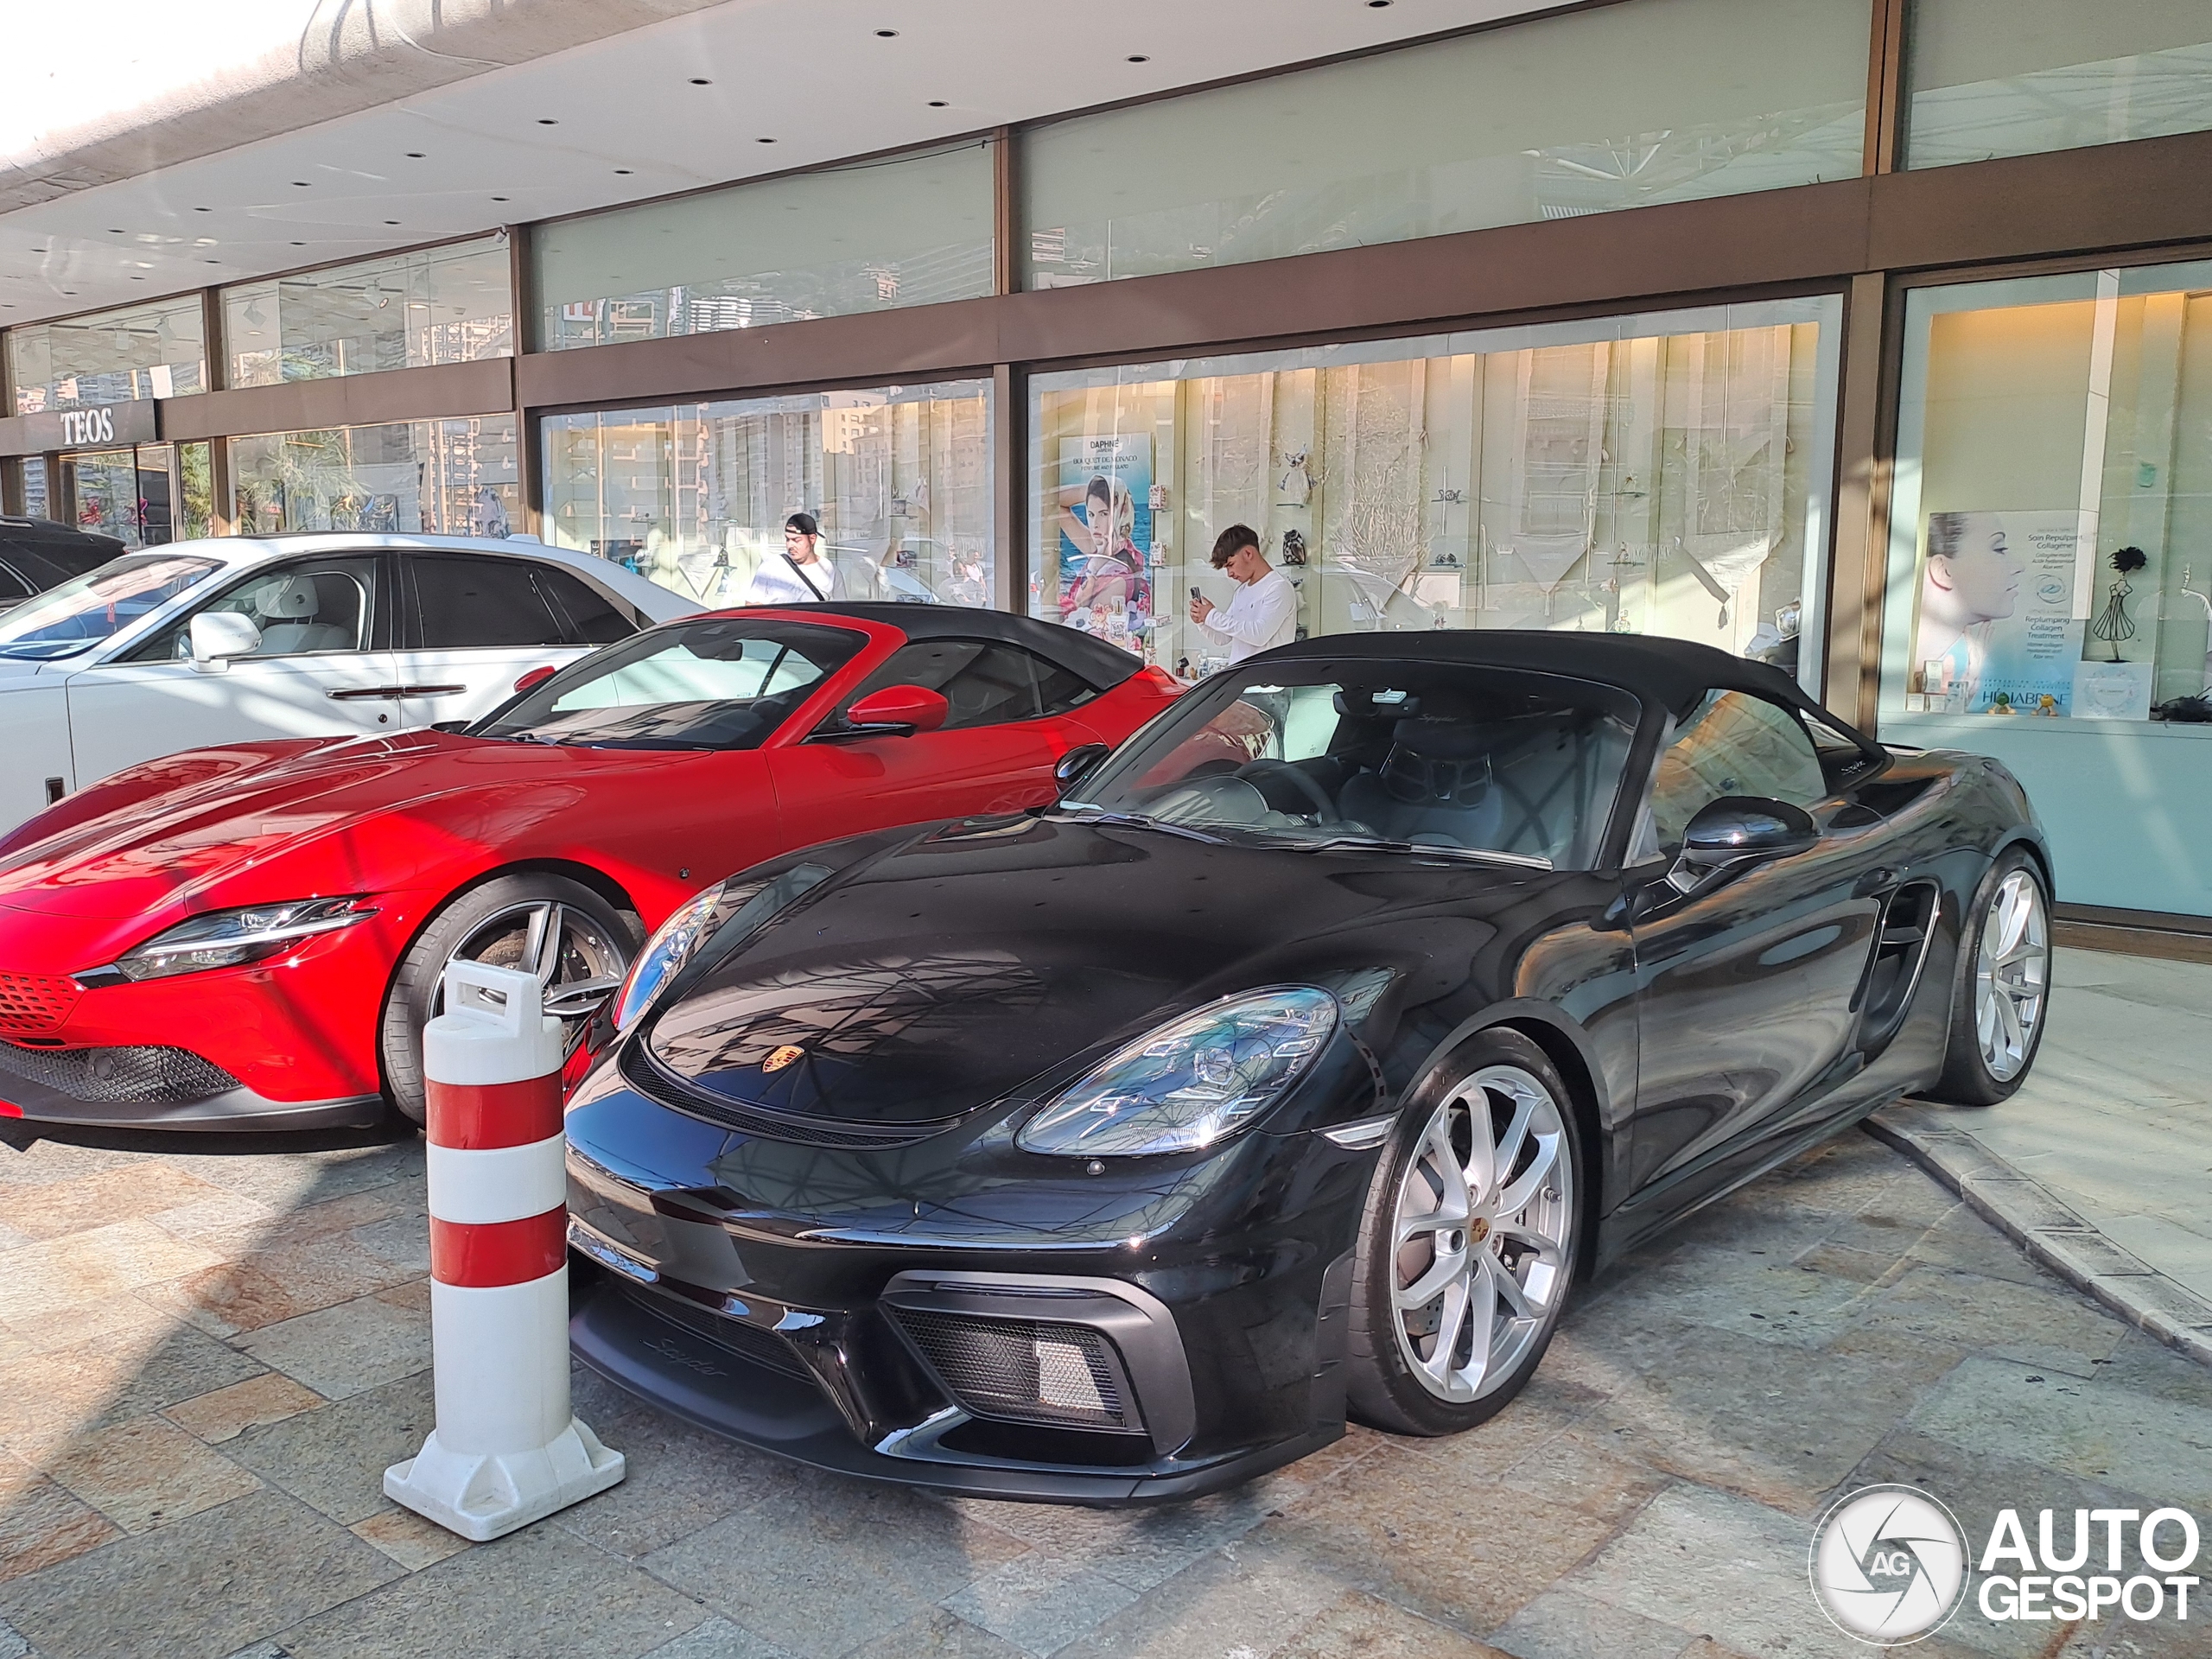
(1971, 575)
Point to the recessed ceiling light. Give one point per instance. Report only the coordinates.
(414, 154)
(499, 198)
(547, 121)
(886, 34)
(68, 293)
(137, 279)
(203, 209)
(624, 172)
(391, 221)
(701, 81)
(1139, 57)
(937, 103)
(115, 232)
(299, 245)
(211, 262)
(764, 141)
(299, 184)
(1376, 5)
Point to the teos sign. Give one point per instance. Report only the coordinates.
(81, 426)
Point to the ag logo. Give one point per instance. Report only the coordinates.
(1889, 1564)
(780, 1057)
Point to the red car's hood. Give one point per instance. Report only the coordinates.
(158, 835)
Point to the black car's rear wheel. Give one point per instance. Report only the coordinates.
(2001, 993)
(1469, 1244)
(577, 945)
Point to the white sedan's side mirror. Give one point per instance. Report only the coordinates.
(217, 636)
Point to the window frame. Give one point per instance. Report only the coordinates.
(378, 600)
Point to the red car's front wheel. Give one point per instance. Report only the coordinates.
(578, 944)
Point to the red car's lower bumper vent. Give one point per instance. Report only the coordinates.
(137, 1075)
(35, 1005)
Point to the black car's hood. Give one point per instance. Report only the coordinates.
(965, 963)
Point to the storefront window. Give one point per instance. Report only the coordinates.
(695, 496)
(111, 357)
(870, 236)
(143, 496)
(436, 305)
(36, 502)
(1664, 474)
(2050, 595)
(1991, 77)
(454, 478)
(1608, 107)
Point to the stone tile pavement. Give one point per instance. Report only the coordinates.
(2102, 1165)
(212, 1350)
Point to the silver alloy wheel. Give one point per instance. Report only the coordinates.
(575, 960)
(2011, 975)
(1480, 1230)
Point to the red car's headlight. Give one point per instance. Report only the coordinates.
(224, 938)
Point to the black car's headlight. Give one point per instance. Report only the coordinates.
(225, 939)
(729, 910)
(1192, 1082)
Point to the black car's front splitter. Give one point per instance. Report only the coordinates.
(707, 1384)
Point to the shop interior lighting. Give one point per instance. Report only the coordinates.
(937, 103)
(701, 81)
(547, 121)
(886, 34)
(414, 154)
(1139, 57)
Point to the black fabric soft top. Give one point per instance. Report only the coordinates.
(1670, 674)
(1101, 665)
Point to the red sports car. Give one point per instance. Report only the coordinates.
(252, 936)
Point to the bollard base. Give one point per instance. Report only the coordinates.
(483, 1495)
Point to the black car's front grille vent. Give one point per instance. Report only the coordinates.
(733, 1336)
(1024, 1370)
(140, 1075)
(657, 1083)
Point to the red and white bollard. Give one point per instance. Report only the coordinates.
(506, 1449)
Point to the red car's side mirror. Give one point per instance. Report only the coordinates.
(910, 707)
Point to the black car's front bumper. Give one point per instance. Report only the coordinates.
(1184, 1333)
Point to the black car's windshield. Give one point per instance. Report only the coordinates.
(1459, 760)
(720, 685)
(88, 609)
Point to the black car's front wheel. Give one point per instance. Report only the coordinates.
(1469, 1244)
(577, 945)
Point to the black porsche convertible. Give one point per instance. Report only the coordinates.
(1295, 1064)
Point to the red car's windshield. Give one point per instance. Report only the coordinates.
(721, 684)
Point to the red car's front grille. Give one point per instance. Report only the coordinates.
(35, 1005)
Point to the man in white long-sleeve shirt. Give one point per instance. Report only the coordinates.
(1263, 612)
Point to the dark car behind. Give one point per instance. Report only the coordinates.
(36, 554)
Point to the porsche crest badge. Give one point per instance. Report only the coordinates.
(779, 1058)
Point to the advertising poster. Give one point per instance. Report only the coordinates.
(1997, 633)
(1105, 527)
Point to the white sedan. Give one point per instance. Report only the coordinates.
(220, 641)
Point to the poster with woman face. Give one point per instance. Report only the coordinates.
(1997, 632)
(1105, 528)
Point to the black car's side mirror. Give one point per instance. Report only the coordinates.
(1738, 831)
(1077, 764)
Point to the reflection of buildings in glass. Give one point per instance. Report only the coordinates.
(899, 481)
(1642, 484)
